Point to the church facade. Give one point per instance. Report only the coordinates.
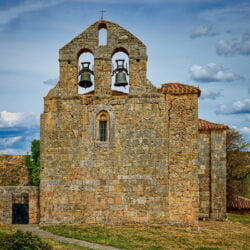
(138, 157)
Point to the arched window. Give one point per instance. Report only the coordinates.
(86, 60)
(120, 58)
(102, 127)
(102, 34)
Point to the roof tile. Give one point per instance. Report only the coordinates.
(206, 125)
(177, 88)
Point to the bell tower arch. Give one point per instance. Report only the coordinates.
(117, 38)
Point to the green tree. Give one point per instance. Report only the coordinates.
(237, 161)
(33, 163)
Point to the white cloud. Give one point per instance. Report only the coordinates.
(226, 48)
(11, 151)
(247, 118)
(52, 82)
(238, 107)
(15, 11)
(212, 73)
(231, 13)
(210, 94)
(230, 48)
(222, 109)
(202, 31)
(242, 106)
(245, 44)
(8, 120)
(245, 130)
(9, 140)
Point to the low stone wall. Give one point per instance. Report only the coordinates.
(13, 170)
(10, 194)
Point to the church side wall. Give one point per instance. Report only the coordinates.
(124, 180)
(218, 174)
(183, 157)
(212, 174)
(204, 143)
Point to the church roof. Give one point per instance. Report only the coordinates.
(206, 125)
(177, 88)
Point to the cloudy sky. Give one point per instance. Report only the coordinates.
(205, 43)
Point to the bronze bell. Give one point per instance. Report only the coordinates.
(85, 75)
(121, 72)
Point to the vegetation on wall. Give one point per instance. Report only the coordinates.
(33, 163)
(238, 159)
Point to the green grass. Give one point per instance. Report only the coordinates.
(213, 235)
(244, 219)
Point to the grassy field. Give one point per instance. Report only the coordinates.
(232, 234)
(239, 218)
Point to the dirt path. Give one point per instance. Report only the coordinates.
(46, 235)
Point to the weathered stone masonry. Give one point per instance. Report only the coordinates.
(154, 167)
(212, 169)
(13, 170)
(159, 163)
(147, 170)
(10, 195)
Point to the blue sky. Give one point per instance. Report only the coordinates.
(205, 43)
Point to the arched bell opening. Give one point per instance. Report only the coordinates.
(85, 71)
(102, 34)
(120, 70)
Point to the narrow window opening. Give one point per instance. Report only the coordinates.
(102, 36)
(103, 130)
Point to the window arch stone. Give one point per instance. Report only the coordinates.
(103, 113)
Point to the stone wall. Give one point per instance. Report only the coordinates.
(122, 180)
(212, 173)
(13, 170)
(183, 192)
(11, 194)
(146, 172)
(204, 172)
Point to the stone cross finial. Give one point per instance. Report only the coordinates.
(102, 11)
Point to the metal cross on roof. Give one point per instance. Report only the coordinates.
(102, 11)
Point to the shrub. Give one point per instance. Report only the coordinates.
(23, 241)
(33, 163)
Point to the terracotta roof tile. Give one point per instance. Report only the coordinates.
(238, 202)
(206, 125)
(177, 88)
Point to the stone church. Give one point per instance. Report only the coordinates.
(115, 157)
